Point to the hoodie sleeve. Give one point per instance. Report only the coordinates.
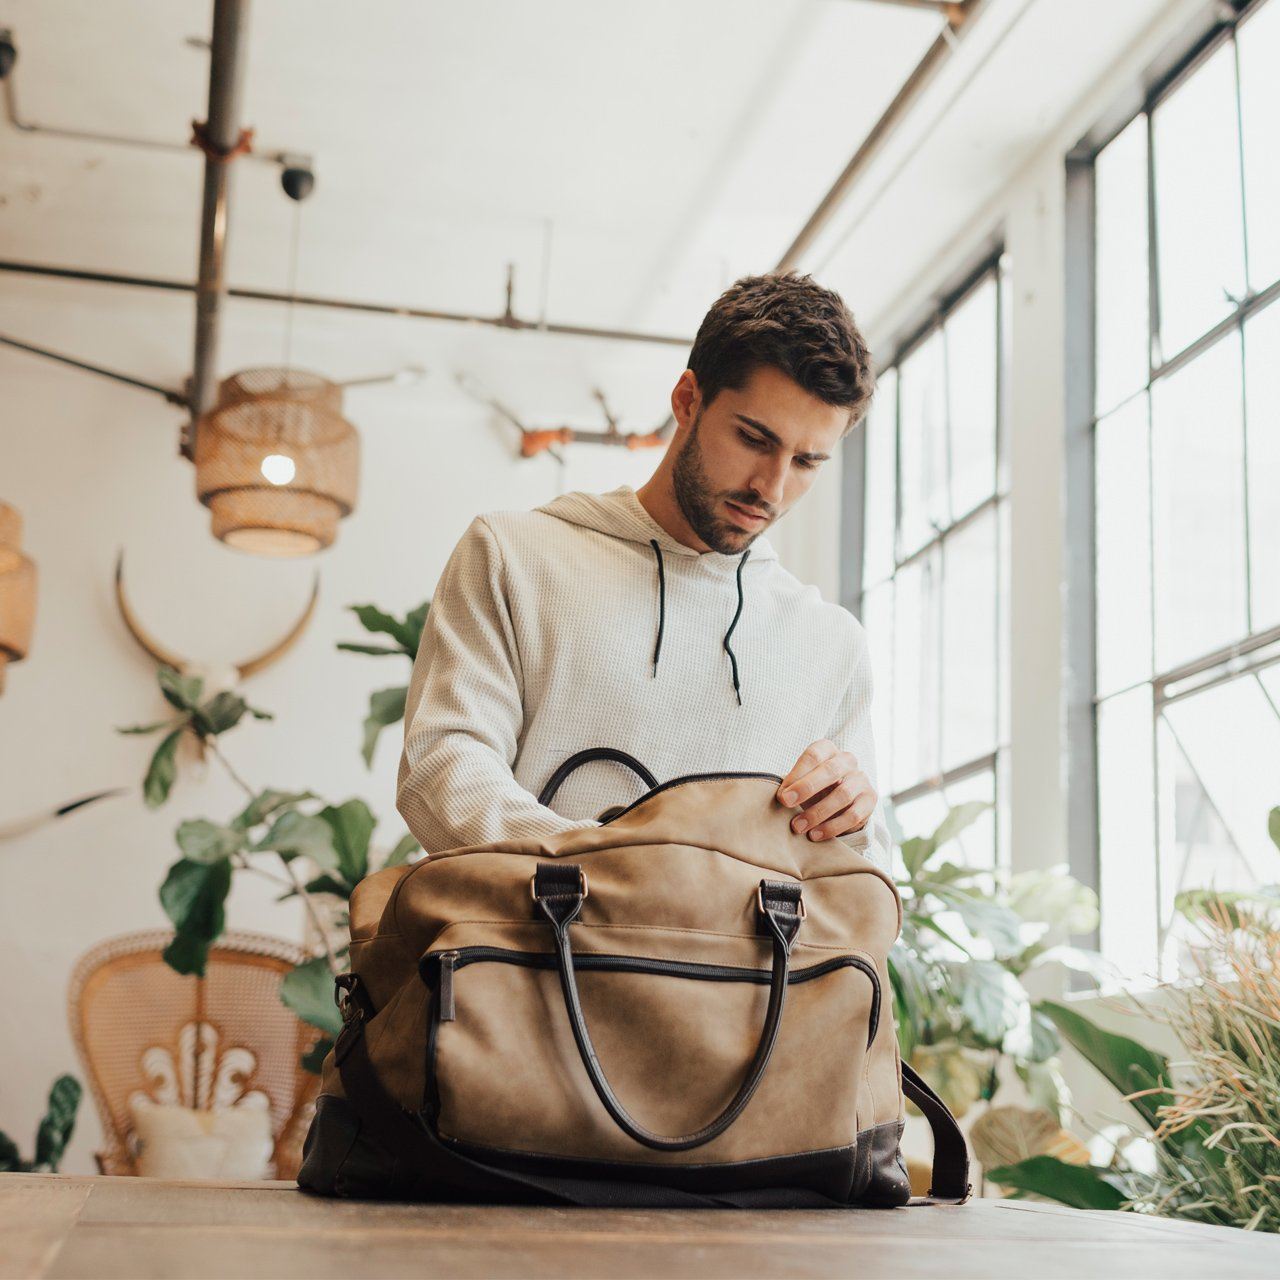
(464, 711)
(851, 731)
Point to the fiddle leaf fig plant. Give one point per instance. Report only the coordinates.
(310, 848)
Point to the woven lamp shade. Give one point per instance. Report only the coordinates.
(276, 462)
(17, 592)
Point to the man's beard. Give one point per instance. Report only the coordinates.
(693, 493)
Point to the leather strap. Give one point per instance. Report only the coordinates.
(559, 889)
(579, 758)
(950, 1183)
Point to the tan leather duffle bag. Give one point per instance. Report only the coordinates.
(686, 1005)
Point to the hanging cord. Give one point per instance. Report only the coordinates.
(733, 660)
(293, 285)
(662, 601)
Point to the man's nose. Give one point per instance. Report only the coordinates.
(768, 484)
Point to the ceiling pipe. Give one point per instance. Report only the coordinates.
(223, 140)
(505, 321)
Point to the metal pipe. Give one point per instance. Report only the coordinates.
(222, 128)
(23, 125)
(173, 397)
(346, 304)
(959, 15)
(915, 84)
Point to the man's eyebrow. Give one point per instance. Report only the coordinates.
(759, 426)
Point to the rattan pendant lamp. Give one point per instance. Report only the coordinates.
(17, 591)
(276, 462)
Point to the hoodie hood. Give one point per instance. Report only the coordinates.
(620, 514)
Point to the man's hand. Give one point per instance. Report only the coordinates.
(827, 783)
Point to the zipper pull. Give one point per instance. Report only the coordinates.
(445, 989)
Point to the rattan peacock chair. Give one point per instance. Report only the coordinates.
(134, 1019)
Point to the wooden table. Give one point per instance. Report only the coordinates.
(54, 1225)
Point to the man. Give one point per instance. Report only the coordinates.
(659, 621)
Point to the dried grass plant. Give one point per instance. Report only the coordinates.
(1229, 1022)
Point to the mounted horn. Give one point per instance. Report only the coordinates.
(168, 657)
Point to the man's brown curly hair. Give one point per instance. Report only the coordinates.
(794, 324)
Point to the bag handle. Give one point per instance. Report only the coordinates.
(950, 1179)
(560, 890)
(580, 758)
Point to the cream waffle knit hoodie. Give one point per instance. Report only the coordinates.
(584, 623)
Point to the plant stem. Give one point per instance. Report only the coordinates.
(294, 881)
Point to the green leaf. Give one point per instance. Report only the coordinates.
(1273, 826)
(147, 728)
(187, 953)
(1130, 1066)
(259, 714)
(386, 707)
(376, 650)
(915, 853)
(984, 918)
(180, 691)
(162, 770)
(222, 712)
(352, 825)
(194, 895)
(1210, 904)
(1053, 897)
(301, 835)
(308, 991)
(266, 803)
(204, 841)
(403, 848)
(324, 884)
(1092, 964)
(313, 1059)
(374, 619)
(59, 1122)
(10, 1158)
(990, 997)
(1081, 1186)
(962, 816)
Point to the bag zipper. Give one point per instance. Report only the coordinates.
(447, 963)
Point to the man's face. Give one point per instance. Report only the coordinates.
(757, 449)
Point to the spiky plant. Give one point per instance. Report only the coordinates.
(1229, 1022)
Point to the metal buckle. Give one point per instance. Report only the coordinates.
(801, 912)
(583, 887)
(342, 997)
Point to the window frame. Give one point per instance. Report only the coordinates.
(991, 263)
(1170, 70)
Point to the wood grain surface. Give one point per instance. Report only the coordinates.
(60, 1226)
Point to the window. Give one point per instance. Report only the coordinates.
(934, 597)
(1186, 450)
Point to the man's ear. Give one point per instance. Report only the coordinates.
(686, 399)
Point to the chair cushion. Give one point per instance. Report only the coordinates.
(181, 1142)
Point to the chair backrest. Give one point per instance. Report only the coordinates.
(134, 1022)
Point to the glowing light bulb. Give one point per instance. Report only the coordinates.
(278, 468)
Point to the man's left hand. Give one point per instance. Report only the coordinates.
(835, 795)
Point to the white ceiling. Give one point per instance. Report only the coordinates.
(648, 152)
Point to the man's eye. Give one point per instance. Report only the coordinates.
(754, 441)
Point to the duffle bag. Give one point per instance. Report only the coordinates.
(687, 1005)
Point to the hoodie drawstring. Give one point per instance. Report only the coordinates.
(662, 602)
(662, 614)
(734, 661)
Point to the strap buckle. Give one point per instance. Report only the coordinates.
(801, 910)
(584, 890)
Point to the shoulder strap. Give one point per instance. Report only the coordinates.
(950, 1183)
(580, 758)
